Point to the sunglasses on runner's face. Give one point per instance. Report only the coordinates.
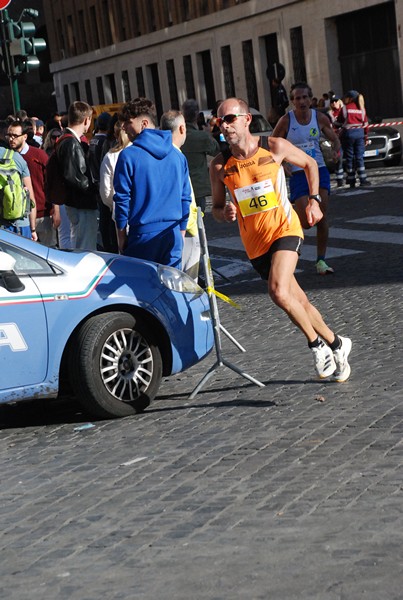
(229, 118)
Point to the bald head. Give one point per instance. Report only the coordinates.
(232, 106)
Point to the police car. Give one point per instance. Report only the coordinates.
(103, 326)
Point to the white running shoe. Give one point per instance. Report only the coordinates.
(343, 369)
(325, 364)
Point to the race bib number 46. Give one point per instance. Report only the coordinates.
(256, 198)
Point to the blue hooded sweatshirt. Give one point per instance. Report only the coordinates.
(152, 187)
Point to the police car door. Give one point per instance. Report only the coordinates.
(23, 328)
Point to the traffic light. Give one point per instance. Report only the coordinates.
(18, 47)
(24, 46)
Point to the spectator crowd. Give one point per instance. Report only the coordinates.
(81, 183)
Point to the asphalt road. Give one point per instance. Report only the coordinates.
(291, 491)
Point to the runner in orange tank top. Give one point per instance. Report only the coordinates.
(264, 212)
(269, 227)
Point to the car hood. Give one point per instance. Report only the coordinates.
(108, 274)
(70, 259)
(387, 130)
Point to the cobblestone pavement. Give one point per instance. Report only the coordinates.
(291, 491)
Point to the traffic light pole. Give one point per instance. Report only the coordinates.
(15, 94)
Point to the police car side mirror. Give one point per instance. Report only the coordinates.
(10, 280)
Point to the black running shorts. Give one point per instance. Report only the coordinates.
(262, 264)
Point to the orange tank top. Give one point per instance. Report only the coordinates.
(258, 189)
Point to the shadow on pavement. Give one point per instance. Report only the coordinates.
(66, 410)
(224, 404)
(34, 413)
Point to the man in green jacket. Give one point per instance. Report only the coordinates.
(198, 145)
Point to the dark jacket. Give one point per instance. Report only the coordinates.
(95, 156)
(81, 193)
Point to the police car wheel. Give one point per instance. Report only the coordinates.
(116, 366)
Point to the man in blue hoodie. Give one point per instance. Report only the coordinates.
(152, 190)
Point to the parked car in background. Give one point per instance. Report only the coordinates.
(384, 148)
(104, 327)
(384, 145)
(259, 125)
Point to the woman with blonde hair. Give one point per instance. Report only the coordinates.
(108, 165)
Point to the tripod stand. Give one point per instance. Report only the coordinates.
(217, 327)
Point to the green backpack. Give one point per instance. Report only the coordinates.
(14, 198)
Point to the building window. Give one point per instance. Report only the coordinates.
(167, 15)
(126, 86)
(95, 29)
(184, 11)
(250, 75)
(110, 91)
(88, 91)
(173, 90)
(227, 71)
(100, 90)
(204, 8)
(71, 37)
(298, 55)
(61, 39)
(190, 85)
(83, 33)
(140, 82)
(208, 78)
(153, 72)
(66, 95)
(151, 22)
(271, 46)
(121, 23)
(107, 22)
(76, 90)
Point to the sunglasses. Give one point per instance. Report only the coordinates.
(55, 136)
(229, 119)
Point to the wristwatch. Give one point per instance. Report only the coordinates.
(315, 197)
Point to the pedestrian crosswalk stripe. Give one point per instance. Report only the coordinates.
(359, 235)
(231, 268)
(379, 220)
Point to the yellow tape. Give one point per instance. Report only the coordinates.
(211, 290)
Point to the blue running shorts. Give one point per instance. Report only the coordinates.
(299, 184)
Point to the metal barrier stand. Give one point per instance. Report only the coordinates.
(217, 327)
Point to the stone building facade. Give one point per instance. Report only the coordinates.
(107, 51)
